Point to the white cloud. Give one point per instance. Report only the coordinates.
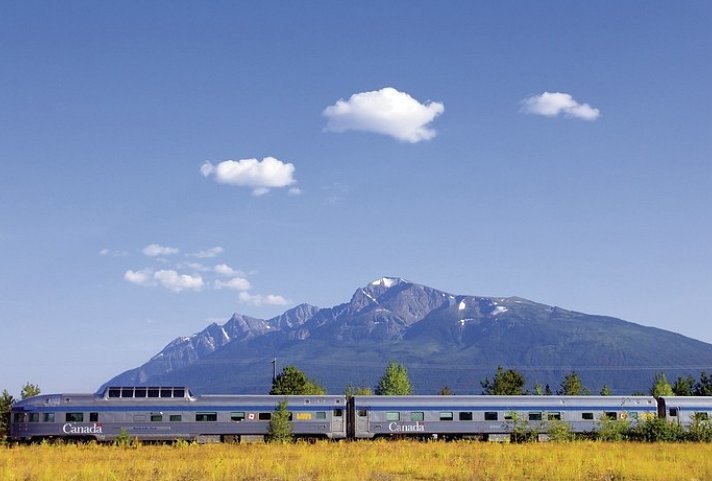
(154, 250)
(386, 111)
(553, 104)
(259, 300)
(208, 253)
(226, 270)
(236, 283)
(143, 277)
(196, 266)
(169, 279)
(295, 191)
(113, 253)
(261, 176)
(175, 282)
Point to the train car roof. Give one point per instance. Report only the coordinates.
(549, 402)
(688, 401)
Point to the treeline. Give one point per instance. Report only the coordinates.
(505, 382)
(6, 402)
(292, 380)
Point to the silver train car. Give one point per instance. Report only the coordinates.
(488, 416)
(171, 413)
(685, 410)
(174, 413)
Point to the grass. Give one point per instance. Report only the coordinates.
(361, 461)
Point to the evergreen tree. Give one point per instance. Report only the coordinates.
(571, 385)
(294, 381)
(29, 390)
(661, 386)
(703, 387)
(280, 429)
(509, 382)
(394, 381)
(6, 402)
(605, 390)
(684, 386)
(352, 390)
(446, 391)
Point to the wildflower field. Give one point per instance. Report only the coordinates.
(362, 461)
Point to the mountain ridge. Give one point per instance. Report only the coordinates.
(442, 338)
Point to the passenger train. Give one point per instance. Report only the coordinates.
(174, 413)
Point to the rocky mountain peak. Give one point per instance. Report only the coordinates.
(445, 339)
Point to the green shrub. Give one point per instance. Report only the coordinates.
(123, 439)
(280, 429)
(522, 432)
(657, 429)
(613, 429)
(559, 431)
(700, 431)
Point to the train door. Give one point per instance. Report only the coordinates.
(18, 425)
(360, 423)
(338, 423)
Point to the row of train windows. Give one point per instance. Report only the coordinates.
(144, 392)
(159, 417)
(700, 416)
(239, 416)
(492, 416)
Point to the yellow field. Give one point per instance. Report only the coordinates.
(361, 461)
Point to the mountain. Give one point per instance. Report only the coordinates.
(443, 339)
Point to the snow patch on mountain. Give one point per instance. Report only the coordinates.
(388, 282)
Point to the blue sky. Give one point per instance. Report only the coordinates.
(165, 164)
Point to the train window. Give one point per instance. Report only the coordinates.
(114, 392)
(320, 415)
(126, 392)
(672, 412)
(175, 418)
(362, 412)
(392, 416)
(93, 417)
(153, 392)
(166, 392)
(446, 416)
(417, 416)
(265, 416)
(140, 392)
(535, 416)
(509, 416)
(491, 416)
(74, 417)
(466, 416)
(338, 413)
(610, 415)
(237, 417)
(179, 392)
(48, 418)
(206, 416)
(156, 418)
(587, 416)
(34, 417)
(554, 416)
(19, 418)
